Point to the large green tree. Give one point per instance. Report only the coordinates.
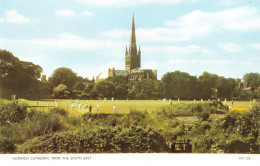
(17, 77)
(208, 85)
(63, 76)
(224, 87)
(105, 89)
(144, 89)
(61, 91)
(179, 85)
(251, 80)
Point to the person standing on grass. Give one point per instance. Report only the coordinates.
(90, 108)
(97, 107)
(79, 107)
(232, 102)
(85, 106)
(114, 108)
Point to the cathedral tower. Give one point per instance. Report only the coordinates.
(132, 57)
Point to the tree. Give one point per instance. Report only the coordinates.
(118, 80)
(61, 91)
(160, 91)
(17, 77)
(79, 84)
(207, 83)
(93, 93)
(145, 89)
(251, 80)
(120, 92)
(105, 88)
(63, 76)
(179, 85)
(224, 88)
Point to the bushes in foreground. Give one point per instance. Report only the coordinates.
(6, 146)
(192, 109)
(98, 140)
(136, 132)
(11, 112)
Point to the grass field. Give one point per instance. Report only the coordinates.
(122, 106)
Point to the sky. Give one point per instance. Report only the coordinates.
(89, 36)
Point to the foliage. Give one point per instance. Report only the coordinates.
(39, 123)
(144, 89)
(236, 133)
(61, 91)
(17, 77)
(11, 112)
(98, 140)
(225, 87)
(240, 110)
(63, 76)
(58, 111)
(179, 85)
(251, 80)
(204, 116)
(106, 89)
(138, 131)
(192, 109)
(6, 146)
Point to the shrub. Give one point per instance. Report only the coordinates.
(98, 140)
(43, 123)
(59, 111)
(240, 110)
(204, 116)
(11, 112)
(6, 146)
(84, 96)
(195, 108)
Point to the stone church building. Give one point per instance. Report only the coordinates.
(133, 69)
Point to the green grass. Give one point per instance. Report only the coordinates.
(122, 106)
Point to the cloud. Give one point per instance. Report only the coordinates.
(184, 50)
(153, 35)
(150, 65)
(255, 46)
(71, 13)
(12, 16)
(200, 62)
(37, 59)
(231, 47)
(228, 2)
(87, 13)
(65, 13)
(238, 19)
(195, 25)
(246, 62)
(175, 51)
(67, 41)
(127, 3)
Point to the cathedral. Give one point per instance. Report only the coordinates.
(133, 71)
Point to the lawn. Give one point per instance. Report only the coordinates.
(122, 106)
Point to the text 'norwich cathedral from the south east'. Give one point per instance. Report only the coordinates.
(133, 63)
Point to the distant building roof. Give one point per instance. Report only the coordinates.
(121, 73)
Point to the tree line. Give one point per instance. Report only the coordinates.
(23, 79)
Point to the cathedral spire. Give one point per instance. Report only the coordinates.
(126, 52)
(133, 40)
